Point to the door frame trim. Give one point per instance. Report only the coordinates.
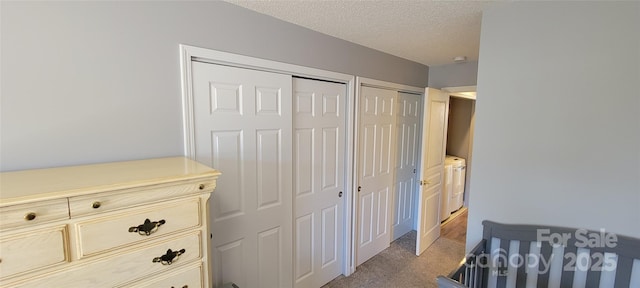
(191, 53)
(389, 85)
(458, 89)
(467, 92)
(359, 82)
(458, 92)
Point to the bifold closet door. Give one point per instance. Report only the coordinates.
(242, 121)
(408, 136)
(376, 166)
(318, 176)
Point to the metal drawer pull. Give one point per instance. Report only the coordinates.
(185, 286)
(147, 228)
(168, 258)
(30, 216)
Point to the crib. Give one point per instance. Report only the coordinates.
(546, 256)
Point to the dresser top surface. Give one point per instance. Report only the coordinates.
(23, 186)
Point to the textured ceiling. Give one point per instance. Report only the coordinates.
(427, 32)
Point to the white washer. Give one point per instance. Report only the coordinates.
(447, 189)
(458, 173)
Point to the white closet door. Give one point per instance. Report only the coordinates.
(242, 122)
(318, 176)
(409, 113)
(436, 108)
(376, 162)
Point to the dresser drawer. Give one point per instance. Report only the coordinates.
(119, 229)
(121, 269)
(102, 202)
(33, 250)
(31, 214)
(189, 277)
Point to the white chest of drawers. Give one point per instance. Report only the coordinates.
(125, 224)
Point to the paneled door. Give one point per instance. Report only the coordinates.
(408, 134)
(318, 180)
(376, 162)
(242, 121)
(436, 107)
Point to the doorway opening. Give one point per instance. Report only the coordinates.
(427, 187)
(459, 150)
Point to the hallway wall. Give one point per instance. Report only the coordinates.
(557, 135)
(94, 81)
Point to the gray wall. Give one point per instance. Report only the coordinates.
(453, 75)
(86, 82)
(460, 136)
(459, 129)
(557, 134)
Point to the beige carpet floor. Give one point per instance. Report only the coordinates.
(397, 266)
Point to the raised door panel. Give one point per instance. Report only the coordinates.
(270, 261)
(384, 151)
(330, 157)
(230, 257)
(227, 152)
(376, 168)
(367, 214)
(404, 203)
(304, 249)
(269, 168)
(319, 129)
(437, 135)
(382, 212)
(368, 146)
(330, 230)
(225, 98)
(303, 169)
(242, 119)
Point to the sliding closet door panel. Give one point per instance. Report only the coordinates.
(243, 128)
(375, 170)
(408, 141)
(318, 176)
